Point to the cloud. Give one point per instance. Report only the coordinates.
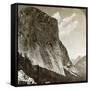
(63, 30)
(67, 24)
(57, 16)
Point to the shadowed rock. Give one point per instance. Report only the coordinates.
(42, 75)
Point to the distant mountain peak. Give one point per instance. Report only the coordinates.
(78, 59)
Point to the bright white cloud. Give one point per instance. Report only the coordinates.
(65, 30)
(57, 16)
(67, 24)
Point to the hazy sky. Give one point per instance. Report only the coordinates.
(72, 28)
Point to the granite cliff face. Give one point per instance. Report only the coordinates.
(39, 41)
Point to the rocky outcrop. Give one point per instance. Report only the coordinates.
(40, 75)
(39, 41)
(24, 79)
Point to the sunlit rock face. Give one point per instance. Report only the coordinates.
(24, 79)
(38, 40)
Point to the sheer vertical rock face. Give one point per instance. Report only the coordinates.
(38, 39)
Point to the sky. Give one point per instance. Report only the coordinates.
(72, 28)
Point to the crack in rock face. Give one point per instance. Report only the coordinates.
(38, 40)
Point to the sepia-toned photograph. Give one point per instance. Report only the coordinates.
(51, 44)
